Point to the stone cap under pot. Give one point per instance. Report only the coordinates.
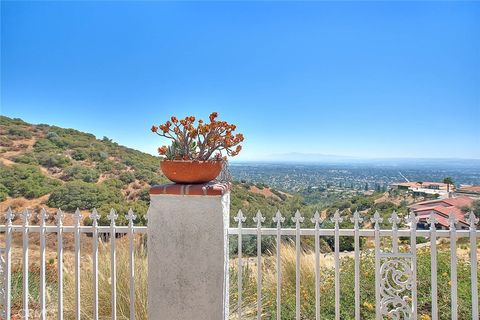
(202, 189)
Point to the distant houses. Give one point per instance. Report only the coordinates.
(441, 210)
(424, 188)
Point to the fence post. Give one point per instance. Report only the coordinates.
(188, 251)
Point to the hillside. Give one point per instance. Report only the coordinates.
(52, 167)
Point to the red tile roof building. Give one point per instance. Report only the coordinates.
(442, 209)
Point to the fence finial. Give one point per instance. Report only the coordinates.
(112, 216)
(432, 219)
(25, 216)
(336, 217)
(316, 218)
(77, 216)
(59, 216)
(452, 220)
(9, 216)
(297, 218)
(131, 216)
(94, 216)
(472, 219)
(356, 218)
(259, 218)
(240, 217)
(412, 217)
(43, 216)
(394, 220)
(377, 219)
(278, 218)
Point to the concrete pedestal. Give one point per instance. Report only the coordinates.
(188, 252)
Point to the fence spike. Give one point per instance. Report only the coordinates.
(240, 217)
(131, 216)
(472, 219)
(336, 217)
(394, 219)
(278, 218)
(43, 215)
(9, 216)
(377, 219)
(77, 216)
(94, 215)
(452, 220)
(112, 216)
(25, 216)
(259, 218)
(59, 216)
(356, 218)
(412, 218)
(432, 219)
(297, 218)
(316, 218)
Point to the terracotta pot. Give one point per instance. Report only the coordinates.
(189, 172)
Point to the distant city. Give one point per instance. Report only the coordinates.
(377, 176)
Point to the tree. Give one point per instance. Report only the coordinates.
(448, 181)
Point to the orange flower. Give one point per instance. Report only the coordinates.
(154, 129)
(162, 150)
(212, 116)
(164, 128)
(174, 119)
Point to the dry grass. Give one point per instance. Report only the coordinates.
(104, 283)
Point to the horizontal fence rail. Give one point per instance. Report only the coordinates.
(395, 269)
(61, 231)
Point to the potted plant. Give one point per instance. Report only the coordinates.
(198, 150)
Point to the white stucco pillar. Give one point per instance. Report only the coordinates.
(188, 252)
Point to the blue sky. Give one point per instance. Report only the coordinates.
(366, 79)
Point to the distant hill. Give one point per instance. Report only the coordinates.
(52, 167)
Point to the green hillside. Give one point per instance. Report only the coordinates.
(53, 167)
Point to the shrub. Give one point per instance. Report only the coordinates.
(45, 145)
(3, 192)
(19, 132)
(79, 194)
(127, 177)
(26, 158)
(50, 160)
(27, 181)
(98, 156)
(79, 155)
(81, 173)
(51, 135)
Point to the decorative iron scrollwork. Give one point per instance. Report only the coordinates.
(395, 288)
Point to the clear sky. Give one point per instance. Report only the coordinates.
(368, 79)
